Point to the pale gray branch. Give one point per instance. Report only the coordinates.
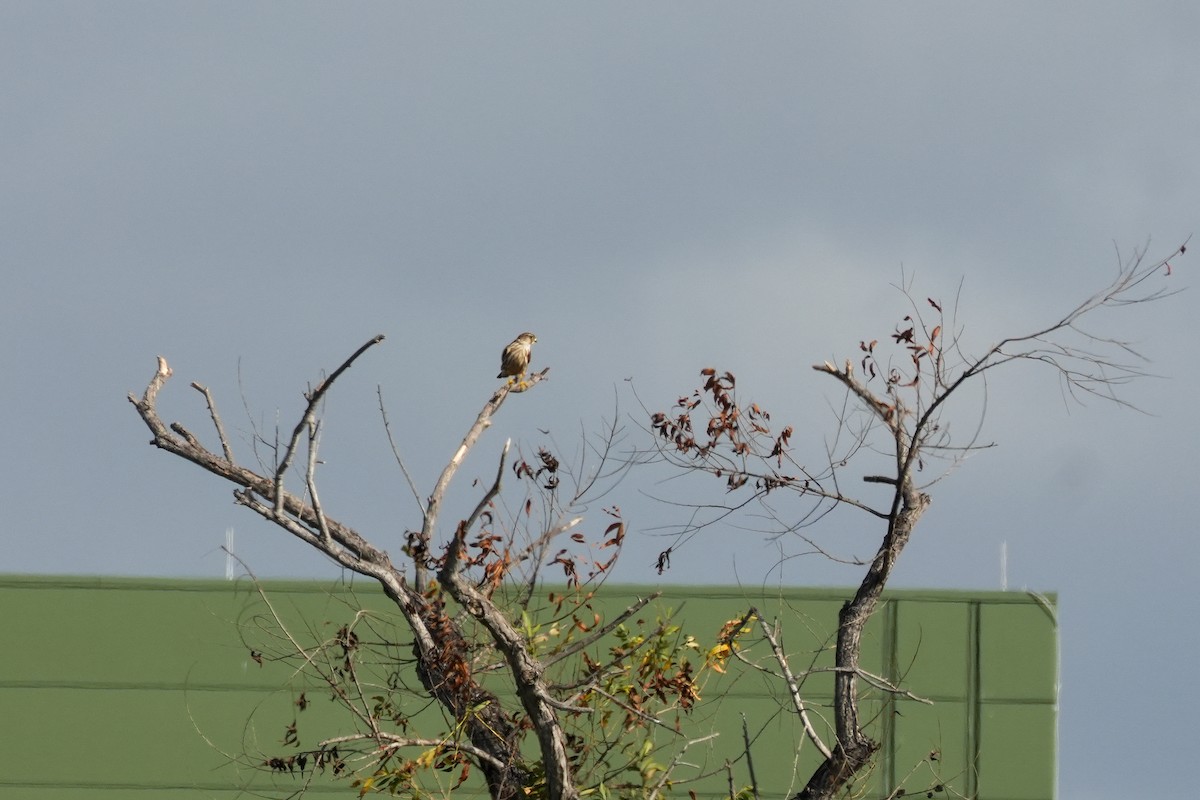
(212, 411)
(314, 398)
(793, 686)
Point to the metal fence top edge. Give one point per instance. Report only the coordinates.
(670, 592)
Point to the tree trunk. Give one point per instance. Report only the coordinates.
(446, 675)
(854, 749)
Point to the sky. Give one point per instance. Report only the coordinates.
(253, 190)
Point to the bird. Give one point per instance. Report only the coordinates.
(515, 358)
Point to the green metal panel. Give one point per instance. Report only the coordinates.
(127, 737)
(930, 741)
(145, 688)
(1017, 751)
(931, 641)
(1018, 653)
(932, 747)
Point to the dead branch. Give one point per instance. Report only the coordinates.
(904, 395)
(604, 630)
(527, 671)
(394, 742)
(482, 421)
(438, 642)
(387, 429)
(314, 398)
(216, 419)
(793, 686)
(666, 775)
(749, 757)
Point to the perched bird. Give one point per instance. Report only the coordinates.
(515, 358)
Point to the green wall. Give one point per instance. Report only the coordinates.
(124, 688)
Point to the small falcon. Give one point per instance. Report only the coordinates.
(515, 358)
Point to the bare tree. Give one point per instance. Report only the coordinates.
(453, 649)
(464, 592)
(898, 394)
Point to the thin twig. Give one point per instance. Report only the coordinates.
(310, 480)
(600, 633)
(793, 687)
(387, 429)
(453, 562)
(314, 399)
(749, 758)
(395, 741)
(642, 715)
(482, 421)
(212, 410)
(666, 775)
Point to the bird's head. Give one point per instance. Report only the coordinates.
(527, 338)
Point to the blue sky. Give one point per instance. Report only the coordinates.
(253, 190)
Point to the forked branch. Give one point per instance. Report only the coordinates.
(439, 645)
(901, 397)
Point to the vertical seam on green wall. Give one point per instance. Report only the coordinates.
(1057, 698)
(891, 669)
(974, 705)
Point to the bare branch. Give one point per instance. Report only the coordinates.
(439, 643)
(212, 410)
(527, 671)
(310, 481)
(674, 762)
(482, 421)
(793, 686)
(604, 630)
(527, 675)
(749, 757)
(879, 682)
(394, 741)
(491, 493)
(314, 398)
(642, 715)
(886, 412)
(387, 428)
